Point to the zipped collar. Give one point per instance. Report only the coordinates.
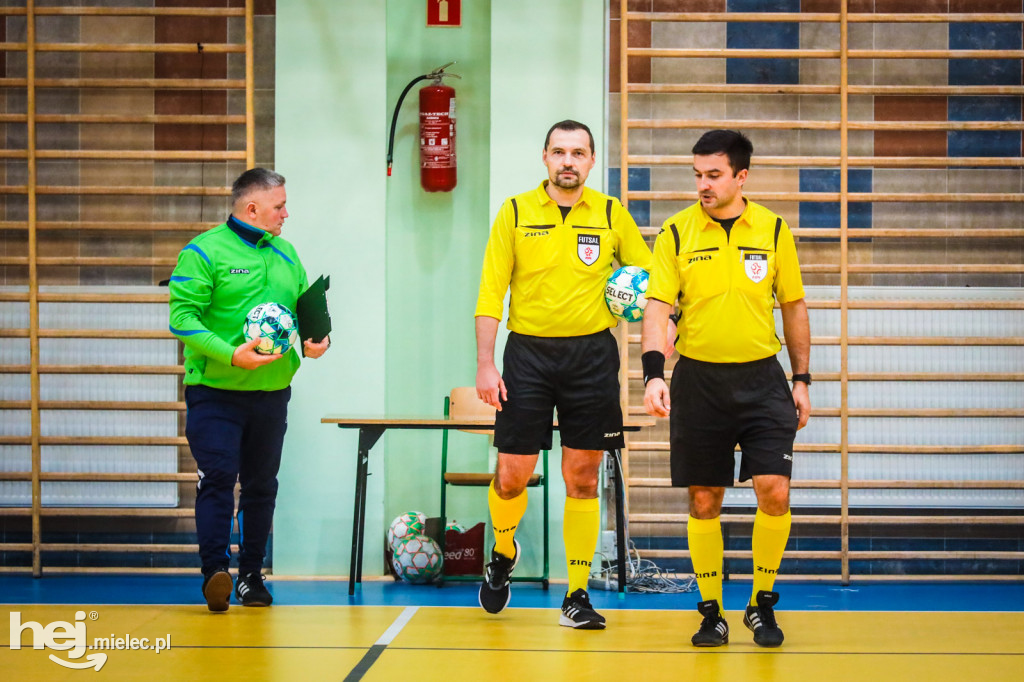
(247, 232)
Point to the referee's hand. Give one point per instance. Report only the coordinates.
(802, 402)
(656, 399)
(490, 387)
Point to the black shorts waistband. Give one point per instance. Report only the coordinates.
(726, 366)
(581, 337)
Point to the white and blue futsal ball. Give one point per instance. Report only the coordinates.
(274, 325)
(418, 560)
(406, 526)
(626, 293)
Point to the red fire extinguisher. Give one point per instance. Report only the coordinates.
(437, 131)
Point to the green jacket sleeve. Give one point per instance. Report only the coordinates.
(191, 289)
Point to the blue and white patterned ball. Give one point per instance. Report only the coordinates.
(405, 526)
(626, 293)
(418, 559)
(274, 325)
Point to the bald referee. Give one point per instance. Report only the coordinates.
(553, 247)
(726, 261)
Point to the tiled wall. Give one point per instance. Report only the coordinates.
(803, 107)
(129, 136)
(136, 213)
(805, 177)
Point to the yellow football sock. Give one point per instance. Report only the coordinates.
(505, 518)
(706, 552)
(580, 528)
(768, 542)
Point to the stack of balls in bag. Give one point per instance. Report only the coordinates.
(415, 557)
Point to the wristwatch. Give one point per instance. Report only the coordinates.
(805, 378)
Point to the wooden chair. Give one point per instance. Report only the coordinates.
(463, 404)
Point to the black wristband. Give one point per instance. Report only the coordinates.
(654, 365)
(805, 378)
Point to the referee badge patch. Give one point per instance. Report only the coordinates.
(588, 248)
(756, 266)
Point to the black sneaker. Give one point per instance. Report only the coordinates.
(714, 631)
(578, 613)
(495, 592)
(217, 589)
(761, 620)
(250, 590)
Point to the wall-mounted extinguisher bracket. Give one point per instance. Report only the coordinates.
(437, 130)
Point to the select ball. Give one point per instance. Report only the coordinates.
(626, 293)
(274, 325)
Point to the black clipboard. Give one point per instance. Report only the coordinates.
(311, 309)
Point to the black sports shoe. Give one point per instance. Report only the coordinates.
(578, 613)
(761, 620)
(714, 631)
(495, 592)
(217, 589)
(250, 590)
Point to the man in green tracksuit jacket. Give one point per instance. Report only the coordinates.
(237, 399)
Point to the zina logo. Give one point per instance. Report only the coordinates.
(71, 637)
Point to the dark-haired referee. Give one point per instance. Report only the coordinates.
(553, 247)
(727, 260)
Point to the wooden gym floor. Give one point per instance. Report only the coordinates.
(394, 632)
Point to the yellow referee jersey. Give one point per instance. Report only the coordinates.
(557, 270)
(726, 286)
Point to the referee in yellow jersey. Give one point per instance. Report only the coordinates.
(726, 261)
(554, 248)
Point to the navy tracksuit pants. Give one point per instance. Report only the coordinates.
(235, 435)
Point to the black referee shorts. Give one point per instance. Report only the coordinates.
(716, 406)
(577, 375)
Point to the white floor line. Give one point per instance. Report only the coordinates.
(404, 617)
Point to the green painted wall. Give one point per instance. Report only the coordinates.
(549, 65)
(434, 242)
(330, 123)
(405, 264)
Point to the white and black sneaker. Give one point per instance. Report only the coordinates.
(495, 592)
(578, 613)
(761, 620)
(714, 631)
(250, 590)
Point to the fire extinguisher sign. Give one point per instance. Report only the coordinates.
(444, 12)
